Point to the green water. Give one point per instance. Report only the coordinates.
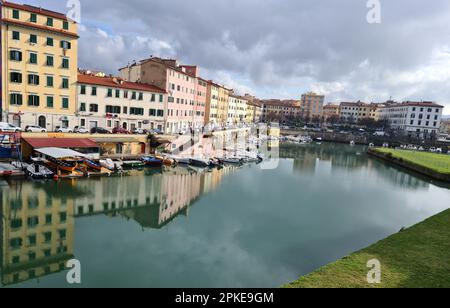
(243, 227)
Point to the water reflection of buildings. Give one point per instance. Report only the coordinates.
(36, 232)
(344, 158)
(37, 220)
(152, 201)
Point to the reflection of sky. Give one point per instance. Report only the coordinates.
(260, 228)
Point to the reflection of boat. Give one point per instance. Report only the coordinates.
(152, 161)
(38, 172)
(231, 161)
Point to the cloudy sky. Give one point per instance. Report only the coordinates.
(280, 48)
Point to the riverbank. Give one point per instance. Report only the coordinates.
(414, 258)
(435, 166)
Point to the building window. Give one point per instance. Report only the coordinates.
(50, 81)
(16, 35)
(16, 14)
(109, 93)
(133, 95)
(137, 111)
(125, 110)
(50, 22)
(32, 240)
(66, 45)
(153, 99)
(33, 79)
(117, 93)
(65, 83)
(50, 61)
(160, 113)
(16, 99)
(94, 91)
(16, 77)
(141, 96)
(50, 41)
(65, 25)
(33, 58)
(49, 101)
(93, 108)
(65, 103)
(125, 94)
(33, 100)
(82, 107)
(83, 90)
(33, 18)
(15, 55)
(33, 38)
(152, 112)
(83, 122)
(161, 98)
(65, 63)
(112, 109)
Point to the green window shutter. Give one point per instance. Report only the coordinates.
(94, 91)
(50, 22)
(65, 83)
(33, 58)
(50, 81)
(65, 25)
(83, 90)
(65, 63)
(50, 41)
(16, 14)
(50, 61)
(161, 98)
(50, 101)
(33, 39)
(65, 103)
(33, 18)
(109, 92)
(16, 35)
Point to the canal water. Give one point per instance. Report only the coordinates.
(237, 227)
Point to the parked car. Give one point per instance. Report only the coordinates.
(120, 130)
(157, 132)
(99, 130)
(80, 130)
(139, 131)
(60, 129)
(8, 128)
(35, 129)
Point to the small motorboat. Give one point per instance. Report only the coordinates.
(133, 164)
(92, 164)
(201, 163)
(111, 164)
(182, 160)
(38, 172)
(169, 162)
(64, 165)
(231, 161)
(152, 161)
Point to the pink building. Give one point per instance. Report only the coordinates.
(186, 101)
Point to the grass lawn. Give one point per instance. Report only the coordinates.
(435, 162)
(415, 258)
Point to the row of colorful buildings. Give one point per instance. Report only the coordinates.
(41, 85)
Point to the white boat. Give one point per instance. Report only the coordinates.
(181, 160)
(110, 164)
(38, 172)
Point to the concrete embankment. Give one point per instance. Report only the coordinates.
(444, 177)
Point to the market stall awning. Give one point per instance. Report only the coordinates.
(59, 153)
(81, 143)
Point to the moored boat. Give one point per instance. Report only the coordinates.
(64, 165)
(38, 172)
(202, 163)
(92, 164)
(133, 164)
(152, 161)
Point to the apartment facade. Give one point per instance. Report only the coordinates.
(275, 109)
(312, 105)
(419, 119)
(353, 112)
(39, 67)
(110, 102)
(254, 109)
(222, 112)
(237, 109)
(212, 104)
(181, 84)
(330, 111)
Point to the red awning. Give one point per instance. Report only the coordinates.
(38, 143)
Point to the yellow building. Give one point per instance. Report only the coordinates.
(212, 104)
(224, 94)
(39, 67)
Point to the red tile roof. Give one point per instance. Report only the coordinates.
(38, 143)
(35, 26)
(36, 10)
(116, 82)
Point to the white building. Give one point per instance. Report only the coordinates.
(237, 109)
(414, 118)
(110, 102)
